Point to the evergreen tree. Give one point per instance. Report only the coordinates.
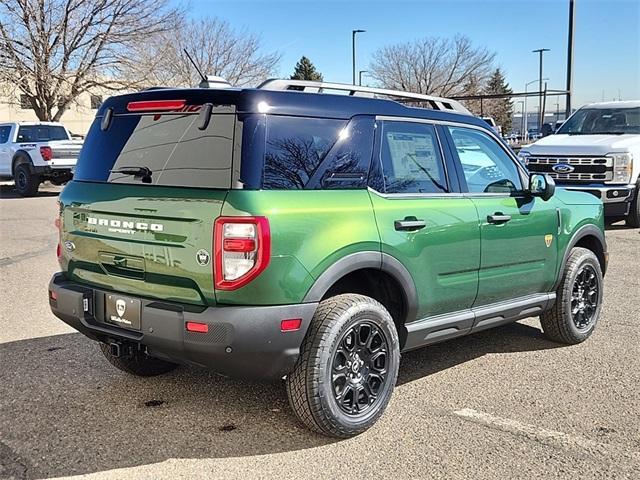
(501, 109)
(305, 70)
(472, 86)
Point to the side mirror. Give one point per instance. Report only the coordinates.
(541, 186)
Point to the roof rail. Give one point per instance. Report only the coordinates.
(436, 103)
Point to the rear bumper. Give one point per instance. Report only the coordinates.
(244, 342)
(53, 171)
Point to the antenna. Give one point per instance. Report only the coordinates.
(195, 65)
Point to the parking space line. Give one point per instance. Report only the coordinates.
(532, 432)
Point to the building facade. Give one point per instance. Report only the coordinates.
(15, 107)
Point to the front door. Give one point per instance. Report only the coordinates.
(423, 219)
(518, 232)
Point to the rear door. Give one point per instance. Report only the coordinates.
(518, 232)
(149, 235)
(423, 219)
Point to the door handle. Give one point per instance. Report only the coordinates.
(409, 224)
(498, 218)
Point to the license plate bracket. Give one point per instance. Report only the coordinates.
(122, 311)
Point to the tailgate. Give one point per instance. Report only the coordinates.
(153, 242)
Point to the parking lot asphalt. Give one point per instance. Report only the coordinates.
(504, 403)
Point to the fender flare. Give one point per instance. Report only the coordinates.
(15, 161)
(579, 234)
(369, 259)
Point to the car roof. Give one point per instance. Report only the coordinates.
(617, 104)
(295, 103)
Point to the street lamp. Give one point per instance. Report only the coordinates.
(360, 76)
(353, 51)
(526, 114)
(522, 121)
(540, 51)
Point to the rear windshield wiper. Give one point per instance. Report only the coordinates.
(143, 173)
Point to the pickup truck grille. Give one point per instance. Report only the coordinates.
(585, 169)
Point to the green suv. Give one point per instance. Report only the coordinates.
(285, 231)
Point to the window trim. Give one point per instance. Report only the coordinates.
(377, 161)
(523, 174)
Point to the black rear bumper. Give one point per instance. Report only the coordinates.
(244, 342)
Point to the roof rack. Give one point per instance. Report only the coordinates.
(436, 103)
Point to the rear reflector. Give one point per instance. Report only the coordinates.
(155, 105)
(59, 250)
(197, 327)
(53, 295)
(290, 324)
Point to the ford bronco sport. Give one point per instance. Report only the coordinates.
(285, 231)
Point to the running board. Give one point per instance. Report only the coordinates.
(444, 327)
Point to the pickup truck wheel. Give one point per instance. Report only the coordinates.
(578, 300)
(26, 183)
(347, 368)
(633, 219)
(138, 364)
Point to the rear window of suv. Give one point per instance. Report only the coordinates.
(170, 145)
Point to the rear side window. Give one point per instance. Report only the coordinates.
(410, 158)
(4, 133)
(41, 133)
(311, 153)
(171, 146)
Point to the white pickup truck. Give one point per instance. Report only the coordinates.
(32, 152)
(597, 150)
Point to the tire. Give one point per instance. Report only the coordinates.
(139, 363)
(26, 183)
(633, 219)
(365, 375)
(572, 319)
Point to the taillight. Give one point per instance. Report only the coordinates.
(242, 247)
(46, 153)
(155, 105)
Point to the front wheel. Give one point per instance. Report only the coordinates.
(578, 300)
(348, 367)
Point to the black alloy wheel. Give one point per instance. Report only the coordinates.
(359, 368)
(584, 298)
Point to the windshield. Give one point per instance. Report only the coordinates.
(41, 133)
(603, 121)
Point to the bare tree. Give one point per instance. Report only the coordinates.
(215, 46)
(434, 66)
(55, 50)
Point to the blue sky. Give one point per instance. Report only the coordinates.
(607, 38)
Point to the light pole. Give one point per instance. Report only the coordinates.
(360, 76)
(526, 114)
(540, 51)
(353, 51)
(522, 103)
(572, 16)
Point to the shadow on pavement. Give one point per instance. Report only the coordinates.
(64, 410)
(8, 192)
